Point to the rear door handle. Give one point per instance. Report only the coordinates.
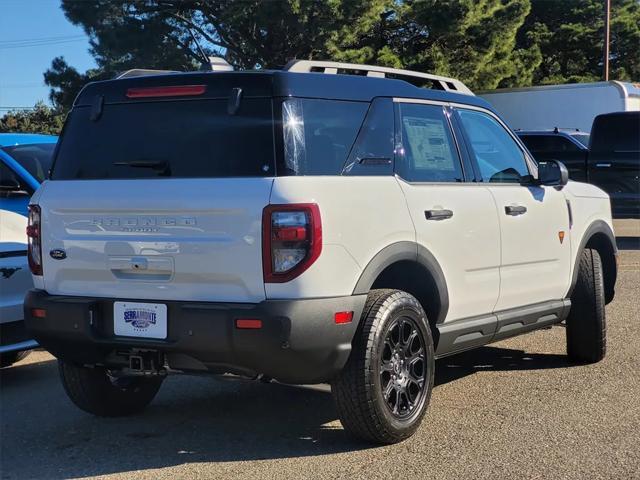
(438, 214)
(603, 165)
(515, 210)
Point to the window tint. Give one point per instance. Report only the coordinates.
(36, 158)
(616, 132)
(428, 152)
(372, 154)
(318, 134)
(187, 138)
(549, 143)
(498, 156)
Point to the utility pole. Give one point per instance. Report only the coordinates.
(607, 19)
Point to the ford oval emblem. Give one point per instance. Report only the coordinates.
(58, 254)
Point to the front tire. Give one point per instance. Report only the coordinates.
(586, 323)
(383, 392)
(95, 391)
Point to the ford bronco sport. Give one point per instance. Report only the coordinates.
(324, 223)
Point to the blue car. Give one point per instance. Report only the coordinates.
(25, 159)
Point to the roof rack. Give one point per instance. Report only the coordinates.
(141, 72)
(317, 66)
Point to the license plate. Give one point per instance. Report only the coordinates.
(132, 319)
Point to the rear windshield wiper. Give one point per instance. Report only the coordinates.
(160, 165)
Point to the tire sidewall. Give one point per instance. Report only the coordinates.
(408, 307)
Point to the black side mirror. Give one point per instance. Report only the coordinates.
(552, 173)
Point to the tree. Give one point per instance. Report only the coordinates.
(570, 35)
(42, 119)
(472, 40)
(180, 35)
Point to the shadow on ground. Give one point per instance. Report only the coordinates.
(193, 419)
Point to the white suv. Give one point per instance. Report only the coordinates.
(307, 225)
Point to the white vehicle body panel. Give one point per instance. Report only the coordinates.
(360, 217)
(536, 262)
(15, 278)
(467, 245)
(166, 239)
(564, 106)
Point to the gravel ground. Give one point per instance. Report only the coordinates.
(515, 409)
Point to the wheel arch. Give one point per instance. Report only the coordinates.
(412, 268)
(601, 238)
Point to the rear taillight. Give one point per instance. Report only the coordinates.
(291, 240)
(34, 239)
(166, 91)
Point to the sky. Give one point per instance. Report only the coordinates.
(32, 33)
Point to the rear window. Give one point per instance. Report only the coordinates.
(35, 158)
(616, 133)
(187, 138)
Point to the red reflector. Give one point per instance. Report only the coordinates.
(251, 323)
(290, 234)
(39, 312)
(32, 231)
(343, 317)
(172, 91)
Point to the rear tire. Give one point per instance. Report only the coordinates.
(383, 391)
(586, 323)
(8, 359)
(95, 391)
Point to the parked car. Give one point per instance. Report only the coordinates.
(15, 281)
(318, 224)
(610, 159)
(25, 159)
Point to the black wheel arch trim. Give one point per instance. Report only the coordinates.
(611, 269)
(400, 251)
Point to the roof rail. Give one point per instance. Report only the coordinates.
(141, 72)
(317, 66)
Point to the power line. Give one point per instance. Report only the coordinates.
(41, 44)
(40, 39)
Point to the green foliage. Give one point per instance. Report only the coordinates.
(42, 119)
(485, 43)
(570, 35)
(473, 40)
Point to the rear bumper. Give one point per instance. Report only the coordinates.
(299, 341)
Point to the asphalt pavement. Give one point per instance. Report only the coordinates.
(515, 409)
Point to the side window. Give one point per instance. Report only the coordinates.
(372, 154)
(499, 158)
(11, 184)
(428, 152)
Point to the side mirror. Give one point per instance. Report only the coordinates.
(552, 173)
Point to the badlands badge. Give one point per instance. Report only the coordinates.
(561, 236)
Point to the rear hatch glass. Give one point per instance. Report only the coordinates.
(182, 139)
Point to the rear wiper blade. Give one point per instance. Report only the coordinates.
(155, 164)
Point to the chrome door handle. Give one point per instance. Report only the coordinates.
(438, 214)
(515, 210)
(603, 165)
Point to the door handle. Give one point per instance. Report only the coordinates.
(438, 214)
(515, 210)
(603, 165)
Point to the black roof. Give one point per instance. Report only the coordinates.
(275, 83)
